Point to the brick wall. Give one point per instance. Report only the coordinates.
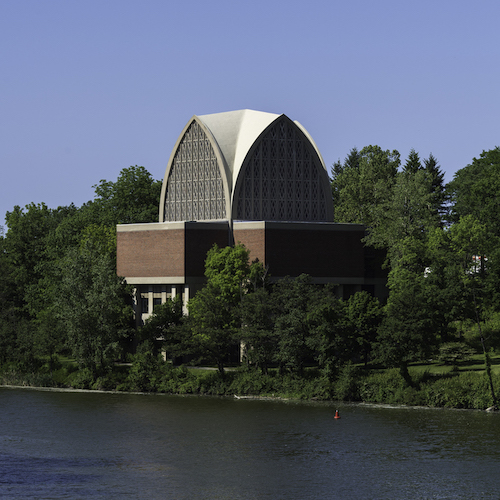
(150, 253)
(288, 249)
(254, 240)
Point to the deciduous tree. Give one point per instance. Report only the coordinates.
(134, 197)
(363, 187)
(92, 304)
(364, 313)
(474, 191)
(214, 312)
(407, 332)
(294, 301)
(257, 333)
(160, 329)
(471, 243)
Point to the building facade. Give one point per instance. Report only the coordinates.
(244, 177)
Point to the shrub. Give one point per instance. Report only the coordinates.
(346, 387)
(389, 387)
(451, 353)
(81, 379)
(177, 380)
(465, 390)
(251, 382)
(145, 372)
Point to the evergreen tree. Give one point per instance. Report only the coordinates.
(412, 165)
(351, 161)
(437, 186)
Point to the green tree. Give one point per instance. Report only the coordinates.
(227, 270)
(214, 312)
(412, 165)
(409, 215)
(161, 329)
(363, 188)
(145, 371)
(31, 259)
(341, 186)
(213, 325)
(294, 301)
(350, 162)
(9, 320)
(365, 314)
(257, 335)
(332, 334)
(439, 197)
(49, 333)
(39, 238)
(93, 305)
(133, 198)
(407, 331)
(25, 243)
(101, 238)
(444, 276)
(368, 189)
(471, 242)
(474, 191)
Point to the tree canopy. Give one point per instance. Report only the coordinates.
(59, 293)
(474, 190)
(39, 248)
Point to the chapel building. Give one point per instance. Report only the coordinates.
(244, 177)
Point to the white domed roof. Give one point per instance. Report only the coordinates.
(236, 131)
(230, 136)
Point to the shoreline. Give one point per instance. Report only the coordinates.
(139, 393)
(247, 397)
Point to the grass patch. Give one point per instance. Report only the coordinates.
(474, 364)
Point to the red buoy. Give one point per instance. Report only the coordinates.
(336, 414)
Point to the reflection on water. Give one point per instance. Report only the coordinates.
(34, 477)
(91, 445)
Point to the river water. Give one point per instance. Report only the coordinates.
(96, 445)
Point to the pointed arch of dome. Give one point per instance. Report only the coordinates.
(235, 132)
(282, 178)
(195, 186)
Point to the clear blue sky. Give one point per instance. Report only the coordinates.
(90, 87)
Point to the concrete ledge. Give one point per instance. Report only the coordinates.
(166, 226)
